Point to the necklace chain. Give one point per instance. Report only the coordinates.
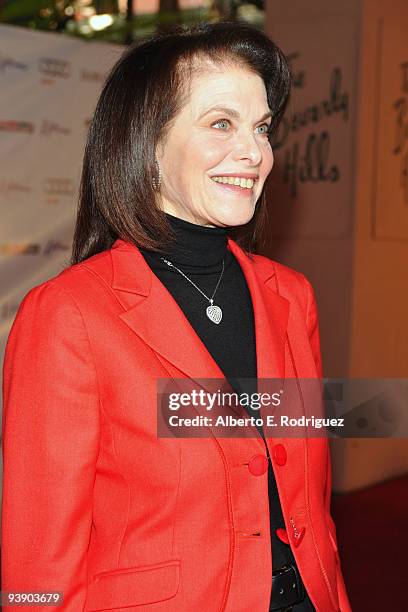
(213, 312)
(211, 299)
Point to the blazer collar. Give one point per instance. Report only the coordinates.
(153, 314)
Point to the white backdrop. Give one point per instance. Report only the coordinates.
(49, 85)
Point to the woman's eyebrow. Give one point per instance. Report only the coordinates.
(231, 112)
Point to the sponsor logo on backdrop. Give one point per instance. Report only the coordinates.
(309, 160)
(54, 67)
(55, 186)
(10, 64)
(8, 186)
(48, 128)
(91, 75)
(33, 248)
(12, 125)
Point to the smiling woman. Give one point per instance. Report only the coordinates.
(163, 284)
(183, 107)
(216, 158)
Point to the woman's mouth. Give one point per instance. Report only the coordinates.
(235, 184)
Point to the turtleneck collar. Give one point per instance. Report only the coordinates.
(196, 246)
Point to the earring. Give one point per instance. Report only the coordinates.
(156, 184)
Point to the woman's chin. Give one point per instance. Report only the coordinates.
(235, 216)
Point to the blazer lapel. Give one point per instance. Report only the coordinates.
(154, 315)
(271, 313)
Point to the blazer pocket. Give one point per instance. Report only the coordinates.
(133, 586)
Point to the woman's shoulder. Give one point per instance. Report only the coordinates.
(289, 283)
(287, 280)
(69, 284)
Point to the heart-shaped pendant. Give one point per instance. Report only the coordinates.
(214, 313)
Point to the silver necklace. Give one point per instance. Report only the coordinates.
(213, 312)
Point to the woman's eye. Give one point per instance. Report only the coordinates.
(266, 127)
(225, 121)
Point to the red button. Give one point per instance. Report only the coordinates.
(282, 535)
(298, 537)
(279, 454)
(258, 465)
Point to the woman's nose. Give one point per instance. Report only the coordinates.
(247, 147)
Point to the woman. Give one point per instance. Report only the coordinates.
(162, 285)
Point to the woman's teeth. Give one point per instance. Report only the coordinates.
(232, 180)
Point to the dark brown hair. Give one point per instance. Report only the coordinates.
(143, 93)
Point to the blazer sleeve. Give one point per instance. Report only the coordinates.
(50, 448)
(314, 339)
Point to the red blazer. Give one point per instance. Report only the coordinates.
(98, 507)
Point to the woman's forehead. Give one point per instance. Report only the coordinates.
(227, 86)
(203, 66)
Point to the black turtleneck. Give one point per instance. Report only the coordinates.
(199, 252)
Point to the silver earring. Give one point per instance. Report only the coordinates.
(156, 184)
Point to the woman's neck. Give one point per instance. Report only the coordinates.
(196, 246)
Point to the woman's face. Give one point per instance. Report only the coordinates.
(229, 142)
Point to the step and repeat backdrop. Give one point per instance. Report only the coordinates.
(49, 85)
